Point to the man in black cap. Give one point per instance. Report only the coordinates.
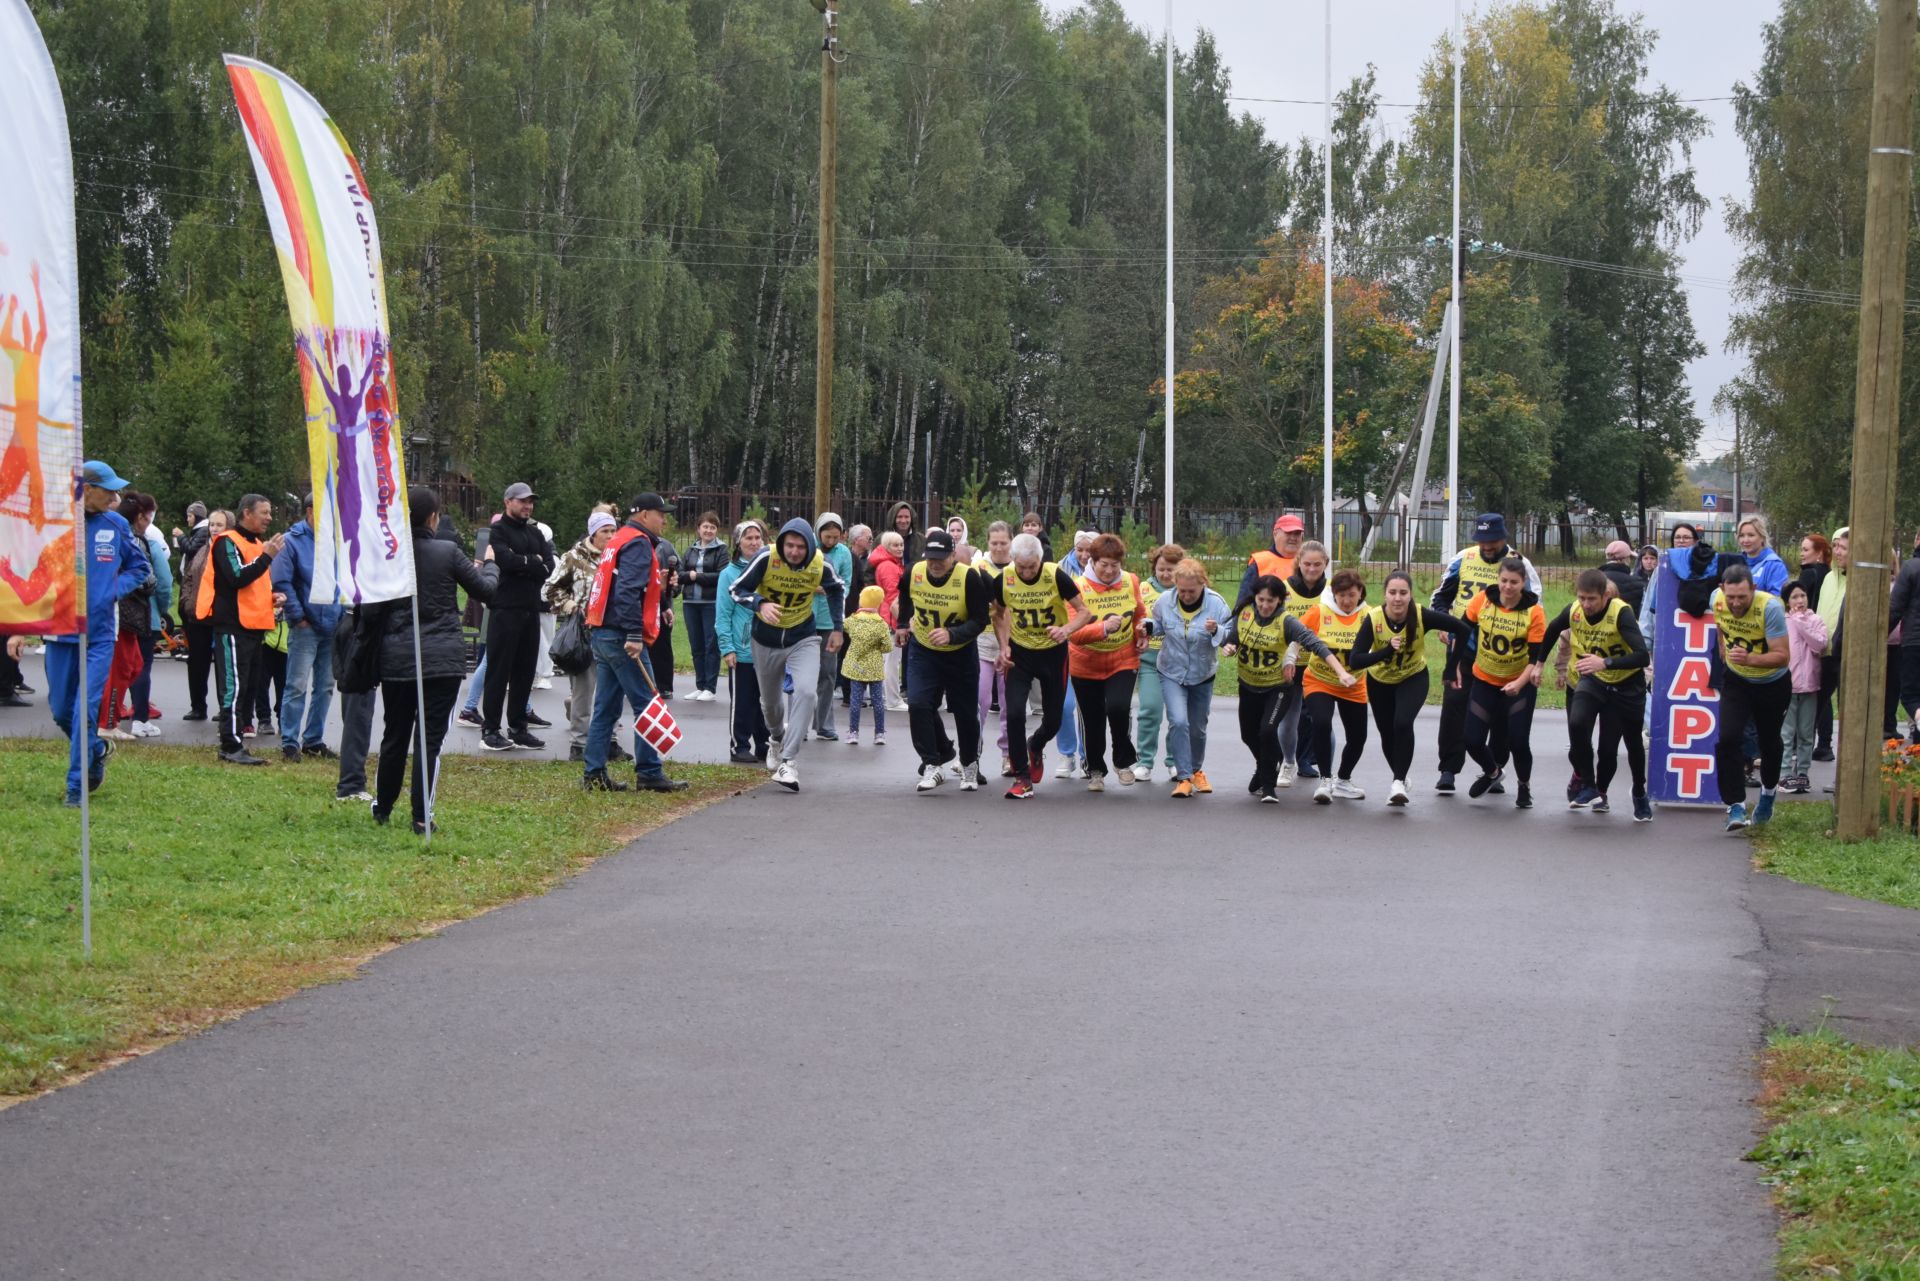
(943, 610)
(1469, 574)
(513, 622)
(623, 621)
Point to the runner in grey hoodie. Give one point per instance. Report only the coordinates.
(779, 587)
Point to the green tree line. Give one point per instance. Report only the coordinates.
(599, 220)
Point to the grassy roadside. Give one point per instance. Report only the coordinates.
(1795, 845)
(1843, 1157)
(217, 890)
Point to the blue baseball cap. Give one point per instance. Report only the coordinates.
(97, 473)
(1490, 528)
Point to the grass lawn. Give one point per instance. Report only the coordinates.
(1795, 845)
(216, 890)
(1843, 1157)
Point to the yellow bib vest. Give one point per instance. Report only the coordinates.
(1034, 607)
(938, 606)
(792, 589)
(1412, 656)
(1504, 652)
(1262, 648)
(1750, 629)
(1104, 601)
(1300, 606)
(1602, 638)
(1476, 575)
(1150, 592)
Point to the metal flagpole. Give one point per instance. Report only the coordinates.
(1167, 411)
(82, 742)
(1326, 303)
(1450, 543)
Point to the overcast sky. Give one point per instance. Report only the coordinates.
(1274, 50)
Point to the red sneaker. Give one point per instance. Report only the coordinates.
(1037, 768)
(1020, 791)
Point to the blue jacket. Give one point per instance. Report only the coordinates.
(1188, 655)
(116, 564)
(840, 556)
(162, 598)
(628, 604)
(292, 575)
(1769, 571)
(732, 620)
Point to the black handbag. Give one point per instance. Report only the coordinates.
(571, 651)
(356, 651)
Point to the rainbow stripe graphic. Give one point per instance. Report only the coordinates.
(320, 211)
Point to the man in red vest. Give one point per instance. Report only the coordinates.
(623, 620)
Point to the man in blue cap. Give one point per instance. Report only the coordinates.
(115, 563)
(1470, 574)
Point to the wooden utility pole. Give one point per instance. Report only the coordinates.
(823, 312)
(1739, 489)
(1876, 422)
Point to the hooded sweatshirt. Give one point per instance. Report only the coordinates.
(819, 575)
(910, 535)
(1769, 571)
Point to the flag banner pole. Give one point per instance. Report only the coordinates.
(43, 557)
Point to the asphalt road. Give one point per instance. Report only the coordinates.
(860, 1033)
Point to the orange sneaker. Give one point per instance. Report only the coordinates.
(1200, 783)
(1183, 790)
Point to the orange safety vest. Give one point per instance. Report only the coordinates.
(255, 603)
(1272, 562)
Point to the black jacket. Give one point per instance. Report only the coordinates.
(525, 561)
(1633, 588)
(440, 570)
(1905, 608)
(706, 562)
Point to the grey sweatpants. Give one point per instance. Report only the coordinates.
(788, 721)
(580, 704)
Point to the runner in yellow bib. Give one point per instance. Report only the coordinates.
(1261, 634)
(1610, 658)
(1392, 649)
(1036, 608)
(943, 607)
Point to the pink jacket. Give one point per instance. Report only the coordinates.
(1808, 632)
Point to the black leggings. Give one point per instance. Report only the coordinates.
(1621, 711)
(1762, 705)
(1353, 727)
(1259, 729)
(401, 736)
(1500, 727)
(1105, 704)
(1046, 668)
(1395, 708)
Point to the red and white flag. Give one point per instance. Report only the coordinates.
(657, 728)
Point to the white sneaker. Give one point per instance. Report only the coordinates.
(970, 778)
(1126, 777)
(707, 696)
(1066, 768)
(1397, 794)
(954, 768)
(1287, 770)
(1348, 790)
(931, 776)
(145, 729)
(1082, 771)
(355, 796)
(896, 707)
(544, 682)
(117, 734)
(1096, 782)
(1323, 794)
(1144, 773)
(773, 758)
(788, 776)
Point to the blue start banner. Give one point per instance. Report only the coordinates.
(1686, 708)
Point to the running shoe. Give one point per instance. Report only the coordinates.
(145, 729)
(1575, 786)
(1307, 771)
(970, 778)
(1323, 794)
(117, 734)
(1763, 812)
(1584, 797)
(1736, 817)
(1143, 774)
(1126, 777)
(1445, 786)
(1183, 790)
(827, 734)
(1253, 785)
(247, 731)
(773, 758)
(1348, 790)
(199, 714)
(1006, 766)
(1267, 797)
(495, 743)
(525, 738)
(1499, 787)
(1096, 782)
(1200, 783)
(1036, 768)
(536, 719)
(1600, 805)
(1066, 768)
(879, 740)
(241, 757)
(1397, 794)
(1287, 770)
(1524, 801)
(1823, 754)
(468, 717)
(1642, 807)
(1021, 790)
(1482, 785)
(788, 776)
(931, 776)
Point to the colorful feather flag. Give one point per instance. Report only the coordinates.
(40, 451)
(321, 215)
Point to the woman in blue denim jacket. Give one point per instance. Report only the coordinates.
(1190, 622)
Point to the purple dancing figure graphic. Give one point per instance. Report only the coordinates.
(347, 425)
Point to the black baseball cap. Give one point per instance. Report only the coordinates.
(647, 502)
(939, 545)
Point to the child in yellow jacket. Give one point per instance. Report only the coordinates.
(865, 665)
